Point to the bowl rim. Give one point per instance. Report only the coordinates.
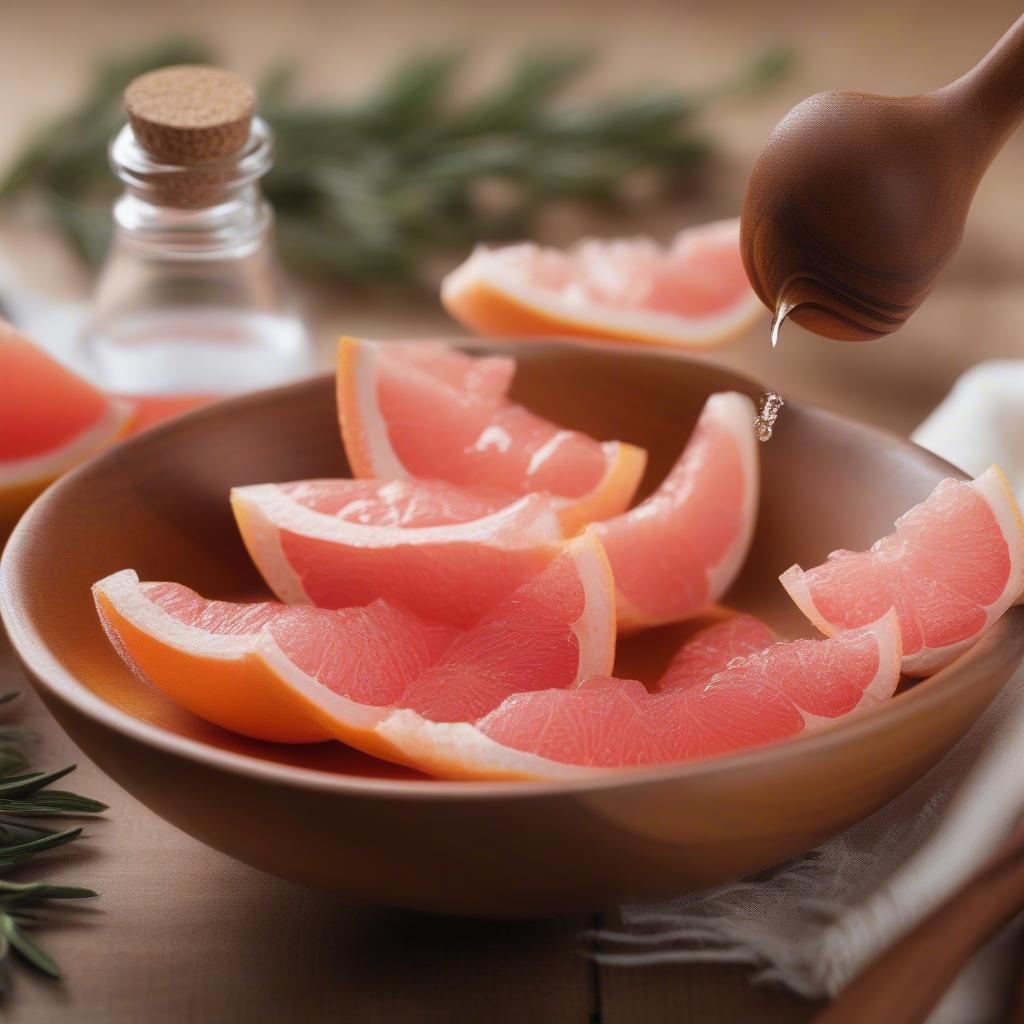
(53, 678)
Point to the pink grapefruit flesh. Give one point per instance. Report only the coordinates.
(552, 632)
(777, 693)
(50, 420)
(488, 377)
(694, 293)
(267, 670)
(711, 649)
(441, 552)
(680, 550)
(953, 565)
(399, 421)
(299, 674)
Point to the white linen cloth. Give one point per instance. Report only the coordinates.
(815, 923)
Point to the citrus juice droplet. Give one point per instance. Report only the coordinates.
(771, 401)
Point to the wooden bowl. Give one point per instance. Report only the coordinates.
(329, 817)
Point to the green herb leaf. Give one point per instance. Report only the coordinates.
(26, 795)
(27, 948)
(20, 785)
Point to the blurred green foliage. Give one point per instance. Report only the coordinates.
(368, 190)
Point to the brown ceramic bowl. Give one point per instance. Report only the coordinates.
(329, 817)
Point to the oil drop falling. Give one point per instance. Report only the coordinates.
(776, 326)
(771, 404)
(771, 401)
(782, 310)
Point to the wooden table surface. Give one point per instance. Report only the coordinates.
(183, 933)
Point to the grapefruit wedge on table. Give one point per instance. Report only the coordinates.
(954, 564)
(302, 674)
(50, 420)
(399, 419)
(692, 294)
(606, 723)
(680, 549)
(444, 553)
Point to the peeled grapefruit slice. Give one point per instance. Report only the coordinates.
(692, 294)
(681, 549)
(773, 694)
(300, 674)
(954, 564)
(50, 420)
(398, 420)
(712, 649)
(266, 670)
(435, 549)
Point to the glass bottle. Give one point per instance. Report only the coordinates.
(191, 302)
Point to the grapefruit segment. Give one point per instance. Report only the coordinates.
(712, 649)
(953, 565)
(50, 420)
(368, 543)
(776, 693)
(680, 549)
(399, 421)
(486, 376)
(296, 674)
(266, 670)
(694, 293)
(552, 632)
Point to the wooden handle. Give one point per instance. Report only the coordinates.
(904, 984)
(991, 94)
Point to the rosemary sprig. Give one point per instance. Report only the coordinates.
(372, 189)
(27, 795)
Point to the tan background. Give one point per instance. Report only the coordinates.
(895, 46)
(184, 934)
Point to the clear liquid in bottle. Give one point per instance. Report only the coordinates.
(191, 303)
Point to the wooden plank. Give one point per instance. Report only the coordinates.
(695, 994)
(183, 933)
(675, 993)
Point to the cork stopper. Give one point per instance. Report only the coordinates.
(189, 114)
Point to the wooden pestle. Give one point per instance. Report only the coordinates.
(857, 202)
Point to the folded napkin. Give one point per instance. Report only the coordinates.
(815, 923)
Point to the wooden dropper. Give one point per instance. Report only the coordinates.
(857, 202)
